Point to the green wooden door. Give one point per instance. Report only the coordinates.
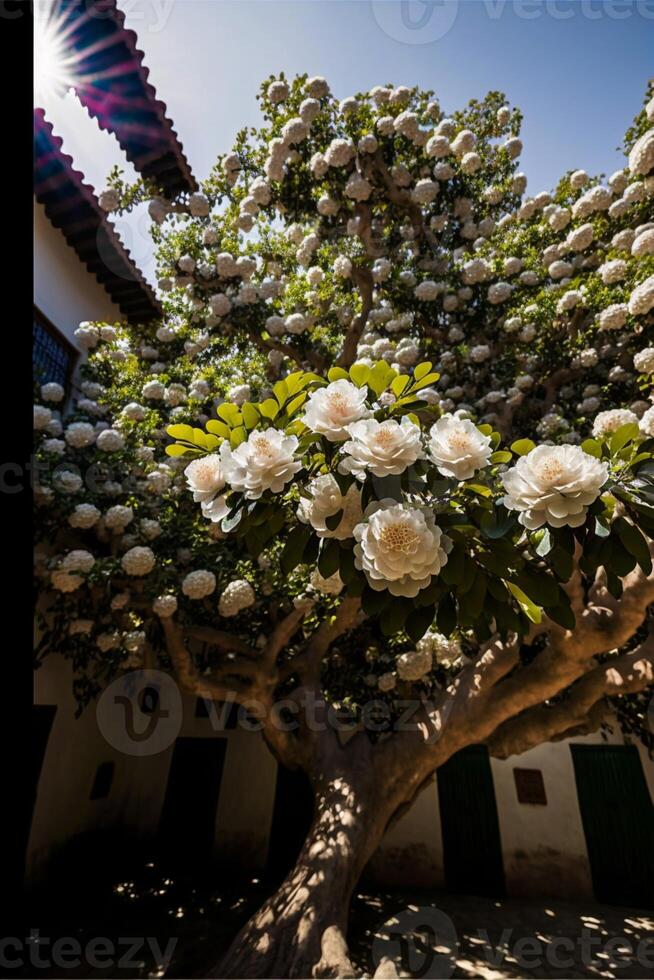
(618, 820)
(472, 851)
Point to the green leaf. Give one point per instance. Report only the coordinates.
(269, 409)
(544, 542)
(562, 563)
(421, 370)
(337, 374)
(540, 585)
(399, 384)
(522, 446)
(592, 447)
(334, 520)
(174, 449)
(181, 432)
(634, 542)
(381, 375)
(372, 602)
(218, 428)
(530, 609)
(329, 558)
(359, 374)
(293, 549)
(563, 615)
(446, 616)
(280, 391)
(347, 569)
(394, 614)
(452, 571)
(479, 489)
(229, 413)
(501, 456)
(623, 435)
(419, 621)
(296, 403)
(238, 435)
(498, 522)
(428, 380)
(250, 415)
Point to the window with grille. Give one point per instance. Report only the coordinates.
(53, 357)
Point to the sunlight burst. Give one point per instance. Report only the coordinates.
(55, 62)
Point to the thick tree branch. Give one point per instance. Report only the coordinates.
(362, 278)
(221, 640)
(625, 675)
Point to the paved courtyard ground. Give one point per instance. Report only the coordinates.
(426, 934)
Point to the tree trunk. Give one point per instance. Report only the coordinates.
(300, 930)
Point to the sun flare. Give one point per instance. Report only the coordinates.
(54, 60)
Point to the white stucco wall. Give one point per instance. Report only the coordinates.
(544, 849)
(64, 290)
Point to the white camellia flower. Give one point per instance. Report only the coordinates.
(646, 423)
(78, 561)
(84, 516)
(414, 664)
(42, 417)
(442, 649)
(164, 606)
(80, 434)
(199, 584)
(238, 595)
(110, 441)
(607, 422)
(265, 461)
(64, 581)
(386, 682)
(554, 485)
(333, 585)
(331, 409)
(399, 548)
(326, 501)
(381, 448)
(457, 447)
(52, 392)
(138, 561)
(644, 361)
(205, 477)
(641, 300)
(118, 517)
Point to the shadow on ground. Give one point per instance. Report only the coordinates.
(156, 920)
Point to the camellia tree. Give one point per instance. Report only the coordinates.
(383, 474)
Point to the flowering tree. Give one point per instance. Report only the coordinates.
(398, 419)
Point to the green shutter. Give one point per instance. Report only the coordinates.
(618, 820)
(472, 851)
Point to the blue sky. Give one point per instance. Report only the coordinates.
(577, 68)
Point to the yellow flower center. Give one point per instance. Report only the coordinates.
(550, 471)
(263, 448)
(385, 437)
(339, 405)
(459, 441)
(399, 537)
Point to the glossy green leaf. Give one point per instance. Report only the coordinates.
(522, 446)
